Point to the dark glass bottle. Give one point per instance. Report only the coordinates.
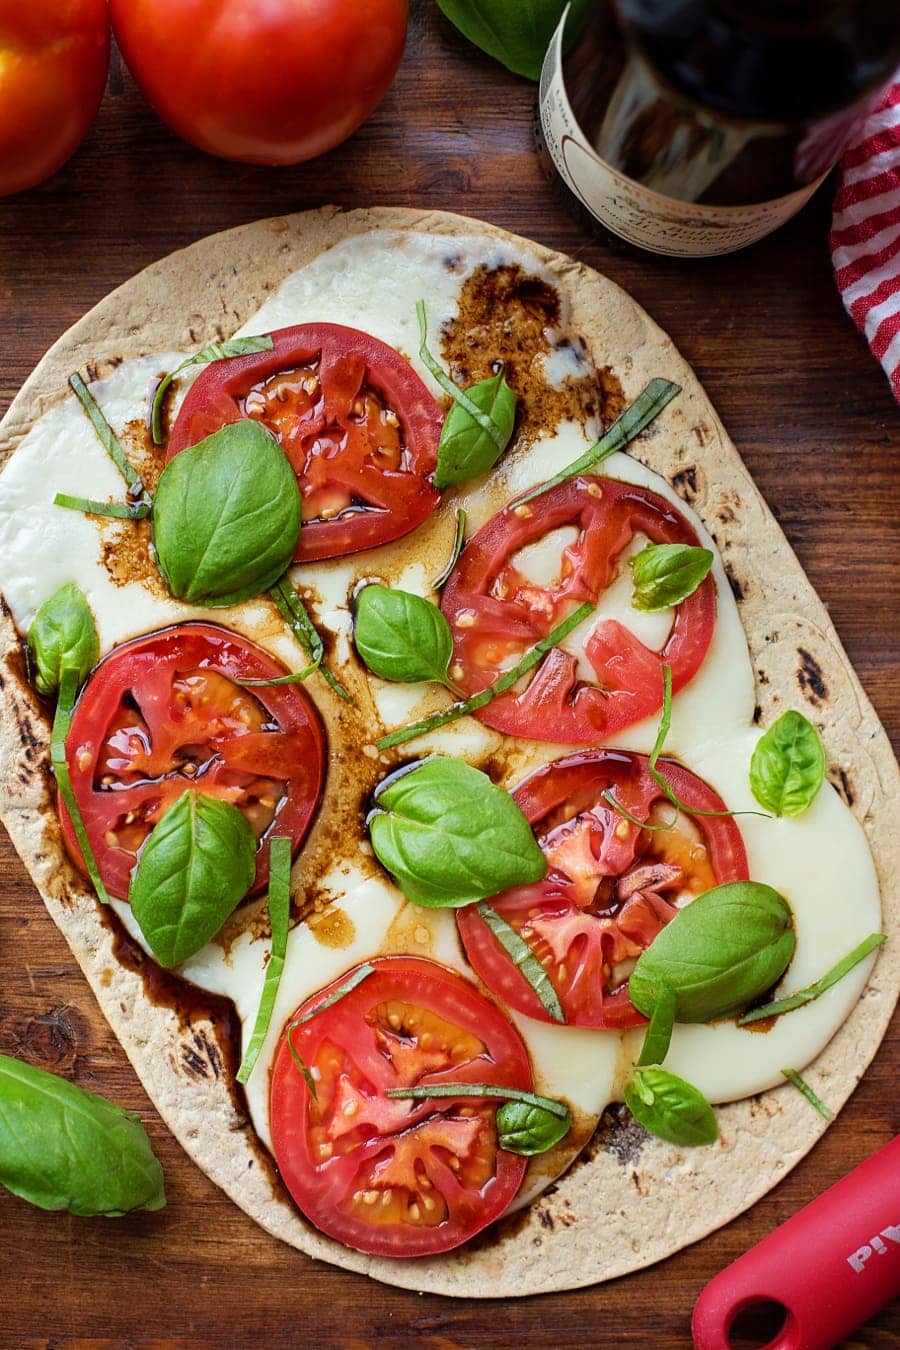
(697, 126)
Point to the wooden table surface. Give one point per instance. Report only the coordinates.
(810, 411)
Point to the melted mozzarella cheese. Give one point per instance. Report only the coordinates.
(818, 861)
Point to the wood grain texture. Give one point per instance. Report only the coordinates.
(812, 415)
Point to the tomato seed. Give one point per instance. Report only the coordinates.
(84, 760)
(415, 1213)
(370, 1197)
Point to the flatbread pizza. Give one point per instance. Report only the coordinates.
(483, 889)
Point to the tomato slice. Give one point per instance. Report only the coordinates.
(496, 614)
(610, 886)
(357, 424)
(388, 1176)
(163, 713)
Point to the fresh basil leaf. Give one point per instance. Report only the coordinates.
(459, 539)
(63, 638)
(814, 991)
(788, 766)
(718, 954)
(197, 865)
(402, 637)
(516, 33)
(216, 351)
(806, 1091)
(524, 959)
(671, 1108)
(666, 574)
(226, 517)
(62, 1148)
(529, 1130)
(279, 903)
(449, 836)
(465, 449)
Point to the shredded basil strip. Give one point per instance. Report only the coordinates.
(644, 410)
(659, 1032)
(803, 1087)
(297, 677)
(279, 901)
(108, 438)
(216, 351)
(812, 991)
(458, 395)
(664, 724)
(524, 959)
(293, 611)
(550, 1104)
(458, 542)
(457, 710)
(301, 1064)
(361, 973)
(62, 721)
(118, 510)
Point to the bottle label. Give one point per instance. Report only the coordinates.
(636, 213)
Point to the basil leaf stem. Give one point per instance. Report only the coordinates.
(671, 1108)
(279, 903)
(609, 796)
(664, 725)
(117, 510)
(62, 1148)
(459, 396)
(108, 438)
(458, 541)
(197, 865)
(659, 1032)
(293, 611)
(812, 991)
(361, 973)
(666, 574)
(556, 1108)
(449, 836)
(644, 410)
(470, 705)
(216, 351)
(803, 1087)
(524, 960)
(787, 767)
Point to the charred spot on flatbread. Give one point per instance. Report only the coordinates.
(810, 678)
(842, 782)
(685, 484)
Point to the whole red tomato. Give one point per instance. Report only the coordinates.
(54, 56)
(264, 81)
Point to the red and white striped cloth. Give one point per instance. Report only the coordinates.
(865, 234)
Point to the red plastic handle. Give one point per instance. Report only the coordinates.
(832, 1265)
